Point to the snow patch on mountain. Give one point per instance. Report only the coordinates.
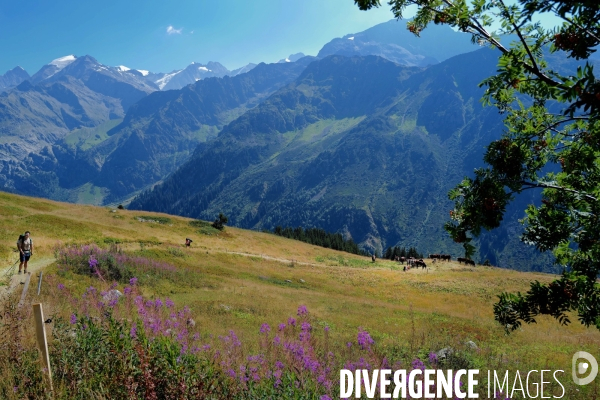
(62, 62)
(162, 82)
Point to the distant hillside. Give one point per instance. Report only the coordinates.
(360, 146)
(157, 135)
(392, 41)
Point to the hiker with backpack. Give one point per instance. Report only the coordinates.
(25, 247)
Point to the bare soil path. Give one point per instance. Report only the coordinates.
(13, 281)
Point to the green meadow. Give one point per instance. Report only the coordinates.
(238, 280)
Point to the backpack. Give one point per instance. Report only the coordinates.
(22, 239)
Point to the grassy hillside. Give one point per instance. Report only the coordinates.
(239, 279)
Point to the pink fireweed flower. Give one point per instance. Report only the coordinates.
(418, 364)
(265, 328)
(364, 339)
(433, 358)
(302, 310)
(158, 303)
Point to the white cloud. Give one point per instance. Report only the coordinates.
(171, 30)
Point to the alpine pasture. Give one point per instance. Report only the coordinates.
(246, 314)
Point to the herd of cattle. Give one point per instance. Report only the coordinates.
(416, 263)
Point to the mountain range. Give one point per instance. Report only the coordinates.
(365, 139)
(357, 145)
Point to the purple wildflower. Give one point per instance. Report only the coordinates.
(364, 339)
(281, 327)
(302, 311)
(433, 358)
(418, 364)
(133, 281)
(61, 286)
(169, 303)
(265, 328)
(133, 331)
(291, 321)
(73, 319)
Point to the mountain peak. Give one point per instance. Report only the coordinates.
(62, 62)
(292, 58)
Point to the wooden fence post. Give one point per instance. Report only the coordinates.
(40, 333)
(39, 284)
(27, 279)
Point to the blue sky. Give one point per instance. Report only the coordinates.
(136, 33)
(161, 36)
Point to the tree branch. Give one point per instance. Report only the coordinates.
(569, 20)
(518, 31)
(545, 185)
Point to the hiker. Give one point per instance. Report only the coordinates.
(188, 242)
(25, 246)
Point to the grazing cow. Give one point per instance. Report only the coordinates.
(402, 260)
(420, 263)
(467, 261)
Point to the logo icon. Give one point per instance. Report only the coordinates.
(582, 367)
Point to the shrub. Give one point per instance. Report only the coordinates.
(220, 222)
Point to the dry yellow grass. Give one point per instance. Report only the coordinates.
(244, 278)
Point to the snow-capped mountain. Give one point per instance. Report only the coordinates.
(292, 58)
(52, 68)
(13, 77)
(391, 40)
(192, 73)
